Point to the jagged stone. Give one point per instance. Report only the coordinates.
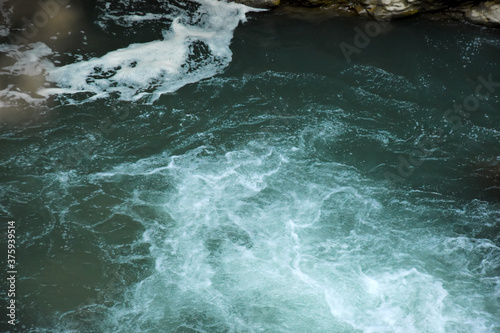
(259, 3)
(486, 13)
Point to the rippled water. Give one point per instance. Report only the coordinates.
(192, 178)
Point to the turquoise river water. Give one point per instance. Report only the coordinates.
(205, 167)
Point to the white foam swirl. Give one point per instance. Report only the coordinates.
(188, 53)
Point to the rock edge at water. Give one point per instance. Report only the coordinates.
(479, 12)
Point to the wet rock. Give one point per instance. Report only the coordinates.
(259, 3)
(486, 13)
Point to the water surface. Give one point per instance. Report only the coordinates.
(247, 180)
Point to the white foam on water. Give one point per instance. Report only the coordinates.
(6, 22)
(398, 301)
(29, 61)
(188, 53)
(10, 97)
(129, 20)
(258, 240)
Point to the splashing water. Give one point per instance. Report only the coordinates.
(195, 47)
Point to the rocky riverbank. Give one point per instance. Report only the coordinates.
(479, 12)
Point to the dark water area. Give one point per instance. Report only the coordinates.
(404, 80)
(174, 170)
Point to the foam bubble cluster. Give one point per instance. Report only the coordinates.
(196, 46)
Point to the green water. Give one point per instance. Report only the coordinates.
(267, 198)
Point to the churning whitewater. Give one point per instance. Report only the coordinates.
(194, 46)
(268, 238)
(196, 174)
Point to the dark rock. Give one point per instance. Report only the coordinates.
(484, 12)
(259, 3)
